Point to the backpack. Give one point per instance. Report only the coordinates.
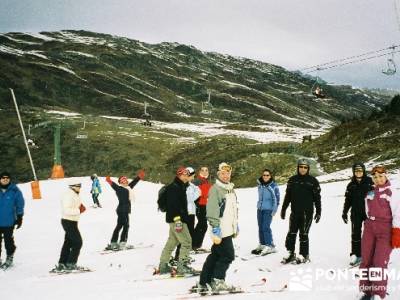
(162, 199)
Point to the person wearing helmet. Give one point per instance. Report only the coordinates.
(125, 195)
(356, 191)
(95, 190)
(302, 193)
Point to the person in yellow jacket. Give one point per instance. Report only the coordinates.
(71, 209)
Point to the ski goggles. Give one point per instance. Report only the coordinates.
(378, 169)
(224, 167)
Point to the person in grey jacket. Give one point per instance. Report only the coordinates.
(222, 215)
(267, 206)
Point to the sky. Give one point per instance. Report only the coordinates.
(291, 33)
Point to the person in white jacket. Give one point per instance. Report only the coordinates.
(71, 209)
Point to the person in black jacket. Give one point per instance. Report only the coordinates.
(125, 196)
(177, 217)
(302, 193)
(356, 191)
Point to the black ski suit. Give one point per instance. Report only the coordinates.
(355, 200)
(302, 193)
(123, 210)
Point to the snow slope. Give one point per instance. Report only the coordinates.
(123, 275)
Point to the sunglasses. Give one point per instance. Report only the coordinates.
(378, 175)
(5, 177)
(303, 167)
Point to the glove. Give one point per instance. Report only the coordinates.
(82, 208)
(345, 218)
(216, 235)
(18, 222)
(283, 214)
(178, 224)
(108, 179)
(395, 238)
(317, 218)
(141, 174)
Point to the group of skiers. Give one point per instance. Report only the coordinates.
(186, 197)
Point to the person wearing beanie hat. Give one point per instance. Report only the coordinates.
(302, 193)
(95, 190)
(222, 215)
(356, 190)
(192, 194)
(177, 218)
(71, 209)
(11, 215)
(381, 235)
(126, 196)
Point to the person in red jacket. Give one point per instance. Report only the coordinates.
(201, 228)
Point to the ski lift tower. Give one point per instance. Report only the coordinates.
(58, 170)
(146, 116)
(206, 107)
(81, 133)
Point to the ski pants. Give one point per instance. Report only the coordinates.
(218, 261)
(201, 226)
(72, 242)
(175, 238)
(8, 234)
(122, 223)
(299, 222)
(356, 229)
(190, 225)
(95, 198)
(375, 253)
(264, 218)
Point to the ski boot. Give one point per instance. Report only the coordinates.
(301, 259)
(200, 289)
(8, 263)
(219, 286)
(258, 250)
(113, 246)
(59, 268)
(173, 262)
(163, 268)
(268, 250)
(291, 257)
(355, 261)
(183, 269)
(122, 246)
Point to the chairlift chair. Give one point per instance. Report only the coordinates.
(391, 67)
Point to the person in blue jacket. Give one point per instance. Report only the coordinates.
(95, 190)
(267, 206)
(11, 213)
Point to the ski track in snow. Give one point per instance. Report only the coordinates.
(119, 276)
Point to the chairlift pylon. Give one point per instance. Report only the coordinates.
(206, 107)
(81, 133)
(146, 116)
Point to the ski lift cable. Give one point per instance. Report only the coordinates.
(354, 61)
(322, 66)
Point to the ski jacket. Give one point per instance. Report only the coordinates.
(303, 193)
(222, 208)
(11, 204)
(193, 193)
(176, 199)
(96, 187)
(125, 196)
(268, 195)
(204, 186)
(381, 206)
(355, 197)
(70, 204)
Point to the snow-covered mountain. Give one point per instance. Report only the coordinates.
(127, 275)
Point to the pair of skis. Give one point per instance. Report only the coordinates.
(127, 247)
